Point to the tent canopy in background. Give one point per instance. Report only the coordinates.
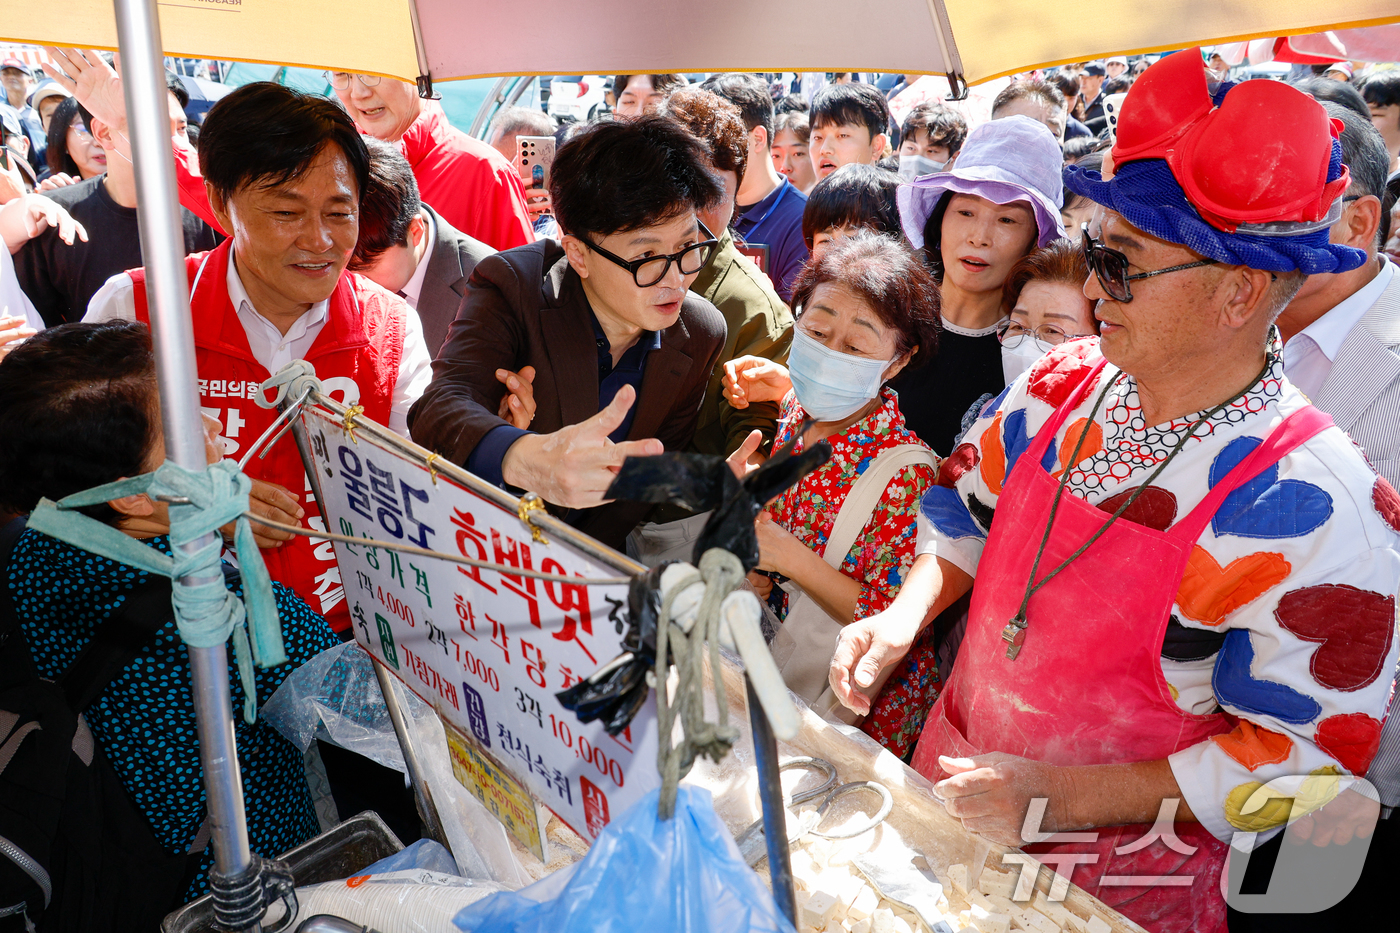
(977, 39)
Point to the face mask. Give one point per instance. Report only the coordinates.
(1016, 360)
(831, 386)
(915, 166)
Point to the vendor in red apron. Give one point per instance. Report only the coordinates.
(1183, 576)
(284, 172)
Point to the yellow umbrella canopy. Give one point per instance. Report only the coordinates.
(444, 39)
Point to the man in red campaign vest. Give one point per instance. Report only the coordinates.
(277, 291)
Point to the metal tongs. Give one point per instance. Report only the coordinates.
(753, 843)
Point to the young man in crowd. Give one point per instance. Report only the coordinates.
(61, 279)
(768, 207)
(597, 334)
(1039, 100)
(1382, 94)
(929, 139)
(756, 319)
(636, 95)
(850, 123)
(285, 173)
(408, 248)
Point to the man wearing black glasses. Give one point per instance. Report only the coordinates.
(604, 351)
(1162, 538)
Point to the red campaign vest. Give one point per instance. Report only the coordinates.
(356, 355)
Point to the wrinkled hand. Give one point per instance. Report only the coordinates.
(518, 404)
(775, 545)
(866, 648)
(762, 584)
(274, 502)
(746, 458)
(991, 793)
(1350, 815)
(754, 379)
(55, 181)
(13, 332)
(96, 84)
(41, 213)
(574, 466)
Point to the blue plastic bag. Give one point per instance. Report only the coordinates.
(423, 854)
(682, 875)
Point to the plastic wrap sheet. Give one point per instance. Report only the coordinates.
(335, 697)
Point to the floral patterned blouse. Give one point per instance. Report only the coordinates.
(882, 553)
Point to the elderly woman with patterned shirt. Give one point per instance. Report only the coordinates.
(83, 397)
(869, 309)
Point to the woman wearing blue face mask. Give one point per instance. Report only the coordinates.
(840, 541)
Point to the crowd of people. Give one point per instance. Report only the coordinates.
(1109, 517)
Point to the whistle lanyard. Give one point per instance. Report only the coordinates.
(782, 192)
(1014, 634)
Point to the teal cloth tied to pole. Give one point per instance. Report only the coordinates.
(205, 613)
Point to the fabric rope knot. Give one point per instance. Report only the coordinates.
(206, 613)
(291, 381)
(720, 572)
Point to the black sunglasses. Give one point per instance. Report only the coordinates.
(647, 272)
(1111, 267)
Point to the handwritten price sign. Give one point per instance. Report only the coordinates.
(488, 649)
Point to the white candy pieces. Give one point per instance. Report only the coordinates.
(992, 881)
(882, 921)
(957, 874)
(864, 905)
(817, 909)
(1096, 925)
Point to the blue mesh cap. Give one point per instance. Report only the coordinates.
(1148, 196)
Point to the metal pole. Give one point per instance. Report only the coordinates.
(422, 793)
(770, 794)
(163, 250)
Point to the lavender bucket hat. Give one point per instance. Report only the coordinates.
(1011, 159)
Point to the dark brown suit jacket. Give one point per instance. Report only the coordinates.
(526, 307)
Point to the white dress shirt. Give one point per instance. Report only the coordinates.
(116, 301)
(1308, 356)
(414, 287)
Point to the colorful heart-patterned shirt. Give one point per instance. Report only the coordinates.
(1285, 616)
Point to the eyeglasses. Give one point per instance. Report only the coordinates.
(1111, 267)
(1046, 336)
(647, 272)
(340, 80)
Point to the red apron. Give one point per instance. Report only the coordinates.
(1087, 687)
(356, 355)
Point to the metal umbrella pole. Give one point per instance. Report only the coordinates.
(163, 250)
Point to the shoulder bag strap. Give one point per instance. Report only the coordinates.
(865, 495)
